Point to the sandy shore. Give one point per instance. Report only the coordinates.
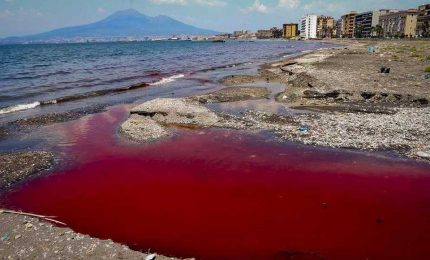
(337, 98)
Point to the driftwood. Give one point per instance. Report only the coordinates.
(47, 218)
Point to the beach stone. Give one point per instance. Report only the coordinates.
(233, 94)
(172, 111)
(422, 154)
(142, 129)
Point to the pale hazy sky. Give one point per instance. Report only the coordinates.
(21, 17)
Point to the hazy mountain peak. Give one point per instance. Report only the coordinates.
(127, 13)
(123, 23)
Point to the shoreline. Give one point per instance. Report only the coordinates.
(319, 106)
(361, 112)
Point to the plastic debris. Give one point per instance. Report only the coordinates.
(5, 237)
(371, 49)
(304, 129)
(17, 237)
(28, 225)
(385, 70)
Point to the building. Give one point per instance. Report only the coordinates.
(348, 24)
(423, 21)
(239, 34)
(364, 22)
(399, 24)
(363, 25)
(264, 34)
(308, 29)
(325, 26)
(290, 30)
(269, 34)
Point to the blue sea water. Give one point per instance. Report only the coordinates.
(32, 76)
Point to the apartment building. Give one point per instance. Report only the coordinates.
(308, 29)
(290, 30)
(348, 24)
(423, 21)
(364, 22)
(399, 24)
(325, 26)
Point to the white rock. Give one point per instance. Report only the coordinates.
(151, 257)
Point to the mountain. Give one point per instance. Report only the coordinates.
(120, 24)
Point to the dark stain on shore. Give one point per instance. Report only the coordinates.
(220, 194)
(52, 118)
(98, 93)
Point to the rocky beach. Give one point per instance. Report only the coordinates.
(370, 96)
(340, 96)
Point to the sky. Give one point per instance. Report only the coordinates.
(23, 17)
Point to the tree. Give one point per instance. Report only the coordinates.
(322, 33)
(372, 31)
(426, 29)
(277, 33)
(378, 30)
(359, 32)
(330, 31)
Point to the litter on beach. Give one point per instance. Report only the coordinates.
(304, 129)
(385, 70)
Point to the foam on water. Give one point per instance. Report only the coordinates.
(19, 107)
(168, 79)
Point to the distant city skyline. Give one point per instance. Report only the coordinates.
(23, 17)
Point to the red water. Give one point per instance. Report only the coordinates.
(218, 194)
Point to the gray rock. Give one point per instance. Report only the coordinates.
(171, 111)
(425, 155)
(142, 129)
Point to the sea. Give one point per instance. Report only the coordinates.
(45, 78)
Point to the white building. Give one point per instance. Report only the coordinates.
(309, 27)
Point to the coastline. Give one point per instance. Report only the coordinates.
(327, 115)
(338, 107)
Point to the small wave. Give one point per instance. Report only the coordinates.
(19, 107)
(17, 77)
(97, 93)
(40, 65)
(168, 79)
(75, 97)
(233, 65)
